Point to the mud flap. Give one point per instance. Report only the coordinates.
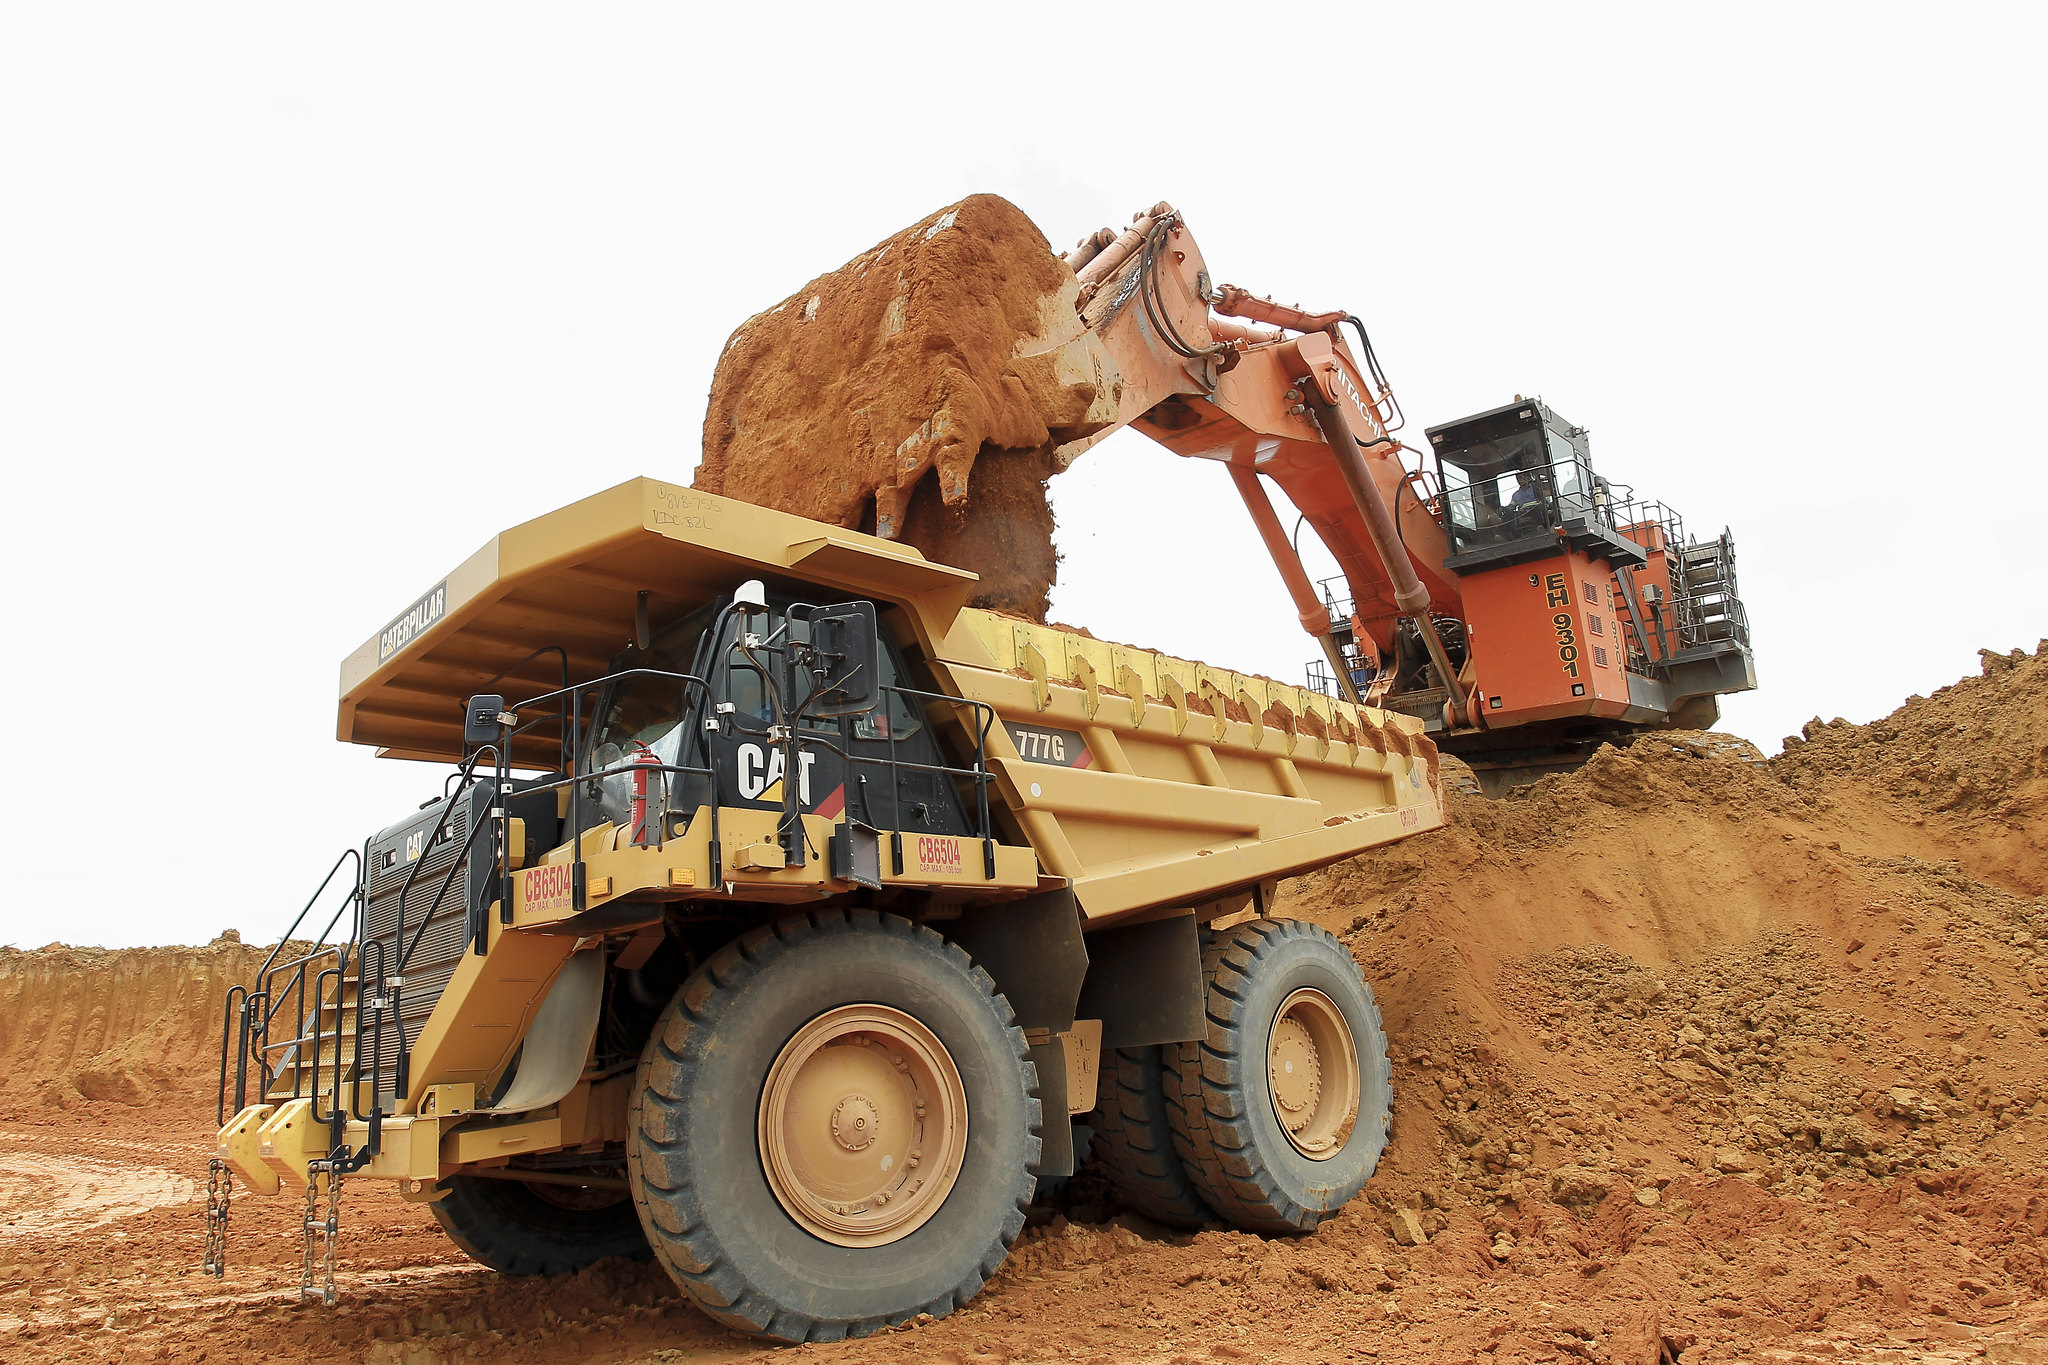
(1055, 1127)
(1033, 950)
(1145, 983)
(558, 1041)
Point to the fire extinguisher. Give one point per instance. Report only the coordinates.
(645, 763)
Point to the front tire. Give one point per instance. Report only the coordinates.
(834, 1128)
(1280, 1114)
(533, 1229)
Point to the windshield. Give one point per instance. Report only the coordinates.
(748, 692)
(649, 711)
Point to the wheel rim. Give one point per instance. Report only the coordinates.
(1312, 1074)
(863, 1125)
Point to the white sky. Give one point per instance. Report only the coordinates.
(299, 306)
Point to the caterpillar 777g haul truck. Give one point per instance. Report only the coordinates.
(783, 909)
(784, 942)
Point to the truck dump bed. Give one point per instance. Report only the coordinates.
(1141, 780)
(1148, 780)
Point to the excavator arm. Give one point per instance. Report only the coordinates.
(1213, 372)
(1524, 607)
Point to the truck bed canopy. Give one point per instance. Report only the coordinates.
(572, 579)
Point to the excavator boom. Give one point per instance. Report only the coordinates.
(1523, 633)
(1524, 608)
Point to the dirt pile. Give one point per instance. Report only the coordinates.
(1685, 965)
(944, 364)
(133, 1026)
(1971, 762)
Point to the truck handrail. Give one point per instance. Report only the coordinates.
(574, 778)
(248, 1011)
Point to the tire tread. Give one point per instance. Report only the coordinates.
(479, 1217)
(1208, 1085)
(1134, 1144)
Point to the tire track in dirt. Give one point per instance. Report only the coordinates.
(48, 1196)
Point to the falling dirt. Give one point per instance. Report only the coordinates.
(937, 371)
(1698, 1057)
(1006, 537)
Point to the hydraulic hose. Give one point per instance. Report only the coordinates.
(1109, 259)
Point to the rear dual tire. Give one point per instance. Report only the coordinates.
(1134, 1141)
(1278, 1116)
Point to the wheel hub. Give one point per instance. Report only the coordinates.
(1312, 1074)
(1297, 1073)
(862, 1125)
(854, 1123)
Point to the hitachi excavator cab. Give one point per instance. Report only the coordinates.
(1516, 480)
(1590, 606)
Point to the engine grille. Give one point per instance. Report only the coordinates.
(443, 941)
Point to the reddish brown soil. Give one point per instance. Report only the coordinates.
(1696, 1056)
(87, 1024)
(925, 374)
(1967, 763)
(1005, 534)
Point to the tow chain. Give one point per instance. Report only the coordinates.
(220, 1186)
(327, 1230)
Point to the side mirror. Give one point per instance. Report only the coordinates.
(845, 660)
(480, 723)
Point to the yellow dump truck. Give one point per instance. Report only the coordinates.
(784, 918)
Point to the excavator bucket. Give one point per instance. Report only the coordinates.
(926, 391)
(951, 356)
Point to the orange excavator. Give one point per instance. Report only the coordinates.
(1526, 608)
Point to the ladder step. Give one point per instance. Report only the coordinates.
(325, 1038)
